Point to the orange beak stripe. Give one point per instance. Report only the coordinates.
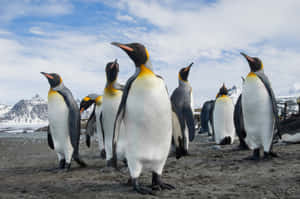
(125, 47)
(49, 76)
(81, 110)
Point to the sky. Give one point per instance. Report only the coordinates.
(72, 38)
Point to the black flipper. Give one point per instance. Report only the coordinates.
(212, 119)
(120, 116)
(102, 129)
(90, 127)
(189, 119)
(239, 123)
(267, 84)
(50, 140)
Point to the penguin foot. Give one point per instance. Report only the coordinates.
(62, 164)
(255, 157)
(269, 155)
(103, 154)
(226, 140)
(67, 167)
(157, 183)
(80, 162)
(141, 190)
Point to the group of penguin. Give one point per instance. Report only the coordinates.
(140, 124)
(254, 118)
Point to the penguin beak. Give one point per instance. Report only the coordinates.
(249, 59)
(114, 64)
(122, 46)
(81, 110)
(47, 75)
(189, 67)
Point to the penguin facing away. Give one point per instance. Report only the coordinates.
(94, 123)
(224, 132)
(181, 100)
(205, 117)
(146, 112)
(259, 110)
(111, 100)
(64, 122)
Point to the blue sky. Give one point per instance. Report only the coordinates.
(72, 38)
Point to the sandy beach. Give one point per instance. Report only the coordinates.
(26, 171)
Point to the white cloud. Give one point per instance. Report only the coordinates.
(125, 18)
(12, 9)
(175, 33)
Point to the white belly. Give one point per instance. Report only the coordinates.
(258, 114)
(109, 109)
(223, 119)
(148, 122)
(58, 115)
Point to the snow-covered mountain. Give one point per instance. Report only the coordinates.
(32, 111)
(4, 109)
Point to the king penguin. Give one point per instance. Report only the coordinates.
(182, 106)
(146, 112)
(259, 110)
(64, 122)
(223, 125)
(111, 101)
(94, 123)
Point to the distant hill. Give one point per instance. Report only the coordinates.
(32, 111)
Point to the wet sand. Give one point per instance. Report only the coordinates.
(209, 172)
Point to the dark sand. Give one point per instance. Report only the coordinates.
(25, 172)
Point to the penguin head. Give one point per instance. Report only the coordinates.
(85, 103)
(184, 73)
(136, 51)
(112, 70)
(223, 91)
(254, 63)
(53, 79)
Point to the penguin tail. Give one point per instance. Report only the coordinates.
(88, 140)
(226, 140)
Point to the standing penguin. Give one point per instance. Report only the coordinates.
(206, 117)
(259, 110)
(94, 123)
(223, 125)
(181, 100)
(111, 101)
(146, 112)
(64, 122)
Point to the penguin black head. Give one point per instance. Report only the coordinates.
(184, 73)
(53, 79)
(112, 70)
(136, 51)
(223, 91)
(85, 103)
(254, 63)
